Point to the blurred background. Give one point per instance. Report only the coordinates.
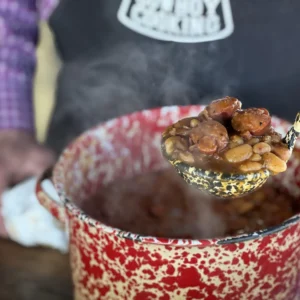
(45, 79)
(38, 273)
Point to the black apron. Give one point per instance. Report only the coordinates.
(110, 70)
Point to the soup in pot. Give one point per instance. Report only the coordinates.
(161, 204)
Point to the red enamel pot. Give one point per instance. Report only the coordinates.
(108, 263)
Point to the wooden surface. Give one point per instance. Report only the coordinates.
(33, 273)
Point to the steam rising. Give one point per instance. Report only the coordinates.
(133, 77)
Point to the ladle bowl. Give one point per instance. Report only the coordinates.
(223, 185)
(228, 185)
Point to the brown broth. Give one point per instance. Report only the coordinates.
(161, 204)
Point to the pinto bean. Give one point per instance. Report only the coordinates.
(250, 166)
(235, 141)
(194, 123)
(182, 123)
(193, 148)
(186, 157)
(255, 157)
(179, 128)
(267, 139)
(183, 131)
(171, 132)
(210, 137)
(233, 145)
(282, 152)
(273, 163)
(223, 109)
(261, 148)
(255, 120)
(238, 154)
(276, 138)
(246, 135)
(253, 141)
(175, 143)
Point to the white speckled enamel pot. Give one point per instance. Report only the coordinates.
(108, 263)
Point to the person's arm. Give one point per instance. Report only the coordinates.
(18, 38)
(20, 154)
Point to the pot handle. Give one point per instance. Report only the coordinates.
(54, 206)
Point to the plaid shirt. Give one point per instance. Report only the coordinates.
(18, 37)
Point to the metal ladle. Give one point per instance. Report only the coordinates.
(229, 185)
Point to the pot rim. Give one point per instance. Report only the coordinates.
(144, 239)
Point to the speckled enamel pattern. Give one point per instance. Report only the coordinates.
(221, 184)
(108, 263)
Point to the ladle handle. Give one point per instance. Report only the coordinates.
(293, 134)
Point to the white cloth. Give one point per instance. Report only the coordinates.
(28, 222)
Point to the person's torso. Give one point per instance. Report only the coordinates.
(165, 52)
